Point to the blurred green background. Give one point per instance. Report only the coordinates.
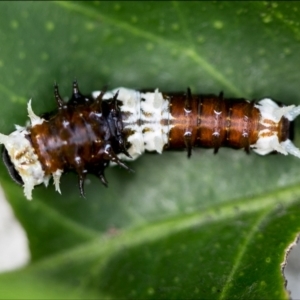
(213, 226)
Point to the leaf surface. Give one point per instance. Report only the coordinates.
(207, 227)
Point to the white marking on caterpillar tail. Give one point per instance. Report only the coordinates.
(46, 180)
(24, 159)
(291, 148)
(146, 116)
(293, 113)
(271, 111)
(35, 120)
(56, 179)
(268, 139)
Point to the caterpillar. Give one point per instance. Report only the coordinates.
(87, 133)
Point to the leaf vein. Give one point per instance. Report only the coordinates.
(187, 51)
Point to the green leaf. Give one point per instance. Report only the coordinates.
(207, 227)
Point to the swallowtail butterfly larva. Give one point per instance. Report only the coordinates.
(88, 132)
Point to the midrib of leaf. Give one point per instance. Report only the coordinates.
(188, 51)
(104, 246)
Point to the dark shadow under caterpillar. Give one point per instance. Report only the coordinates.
(87, 133)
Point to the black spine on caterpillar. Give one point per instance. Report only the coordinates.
(87, 133)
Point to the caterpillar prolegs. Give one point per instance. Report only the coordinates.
(88, 132)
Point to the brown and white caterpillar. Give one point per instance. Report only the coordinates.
(87, 133)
